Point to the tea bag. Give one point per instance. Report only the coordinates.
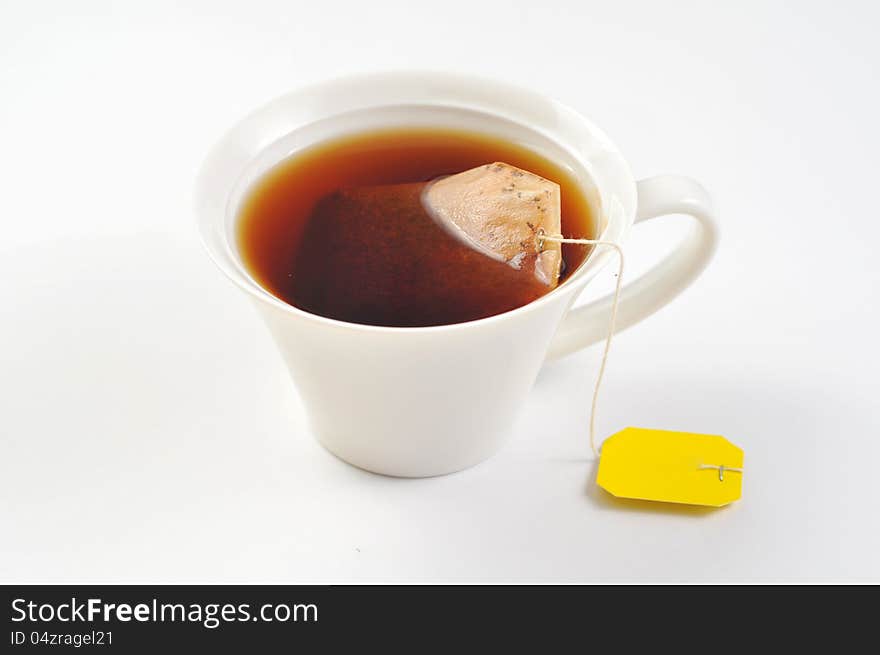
(455, 249)
(500, 209)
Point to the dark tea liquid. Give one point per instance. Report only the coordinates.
(292, 242)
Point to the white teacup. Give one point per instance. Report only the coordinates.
(426, 401)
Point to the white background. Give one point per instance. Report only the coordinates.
(149, 433)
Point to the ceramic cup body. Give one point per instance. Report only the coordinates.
(418, 402)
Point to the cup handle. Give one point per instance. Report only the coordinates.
(657, 196)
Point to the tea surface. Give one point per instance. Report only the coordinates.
(314, 233)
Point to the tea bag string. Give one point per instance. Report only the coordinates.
(611, 322)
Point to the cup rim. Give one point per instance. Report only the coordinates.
(573, 285)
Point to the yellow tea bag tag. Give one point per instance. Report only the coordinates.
(671, 467)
